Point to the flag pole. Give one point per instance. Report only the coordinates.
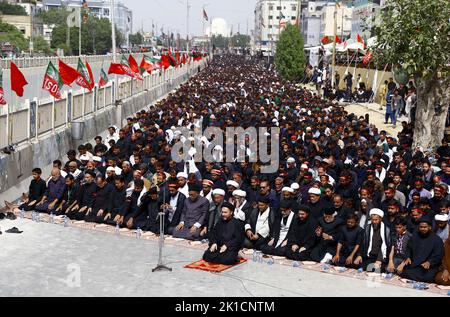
(114, 46)
(334, 45)
(79, 34)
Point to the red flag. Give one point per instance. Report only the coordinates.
(133, 64)
(367, 58)
(103, 79)
(2, 97)
(91, 76)
(68, 74)
(359, 39)
(324, 40)
(52, 81)
(178, 54)
(116, 69)
(337, 40)
(165, 63)
(18, 81)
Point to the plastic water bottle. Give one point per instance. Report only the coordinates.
(117, 230)
(138, 233)
(326, 268)
(22, 214)
(205, 241)
(260, 257)
(255, 256)
(66, 221)
(448, 294)
(51, 219)
(389, 276)
(33, 215)
(270, 261)
(38, 217)
(295, 264)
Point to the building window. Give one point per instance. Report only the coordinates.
(270, 8)
(270, 17)
(279, 8)
(270, 26)
(294, 8)
(294, 18)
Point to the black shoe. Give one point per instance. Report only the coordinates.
(13, 230)
(11, 216)
(2, 216)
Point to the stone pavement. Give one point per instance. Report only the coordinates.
(80, 260)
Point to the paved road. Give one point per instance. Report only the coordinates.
(45, 261)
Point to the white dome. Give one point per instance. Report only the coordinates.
(219, 27)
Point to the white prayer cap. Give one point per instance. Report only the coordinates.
(111, 169)
(441, 218)
(233, 183)
(239, 193)
(376, 212)
(295, 186)
(96, 159)
(288, 189)
(183, 175)
(308, 129)
(219, 192)
(304, 167)
(212, 116)
(291, 160)
(314, 191)
(218, 148)
(84, 157)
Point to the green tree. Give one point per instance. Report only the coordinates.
(57, 16)
(95, 37)
(220, 42)
(414, 37)
(9, 33)
(240, 40)
(41, 45)
(290, 56)
(11, 9)
(136, 39)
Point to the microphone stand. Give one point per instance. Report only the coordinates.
(161, 267)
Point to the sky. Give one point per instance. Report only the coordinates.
(172, 14)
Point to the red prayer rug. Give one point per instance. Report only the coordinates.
(212, 267)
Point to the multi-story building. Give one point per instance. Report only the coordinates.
(365, 14)
(343, 20)
(311, 21)
(102, 9)
(270, 18)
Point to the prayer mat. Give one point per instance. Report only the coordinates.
(212, 267)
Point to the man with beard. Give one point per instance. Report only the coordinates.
(349, 242)
(342, 211)
(266, 192)
(424, 254)
(302, 236)
(316, 204)
(102, 202)
(327, 233)
(442, 226)
(127, 172)
(438, 198)
(173, 205)
(70, 195)
(134, 199)
(207, 189)
(258, 225)
(225, 239)
(193, 215)
(183, 186)
(418, 188)
(305, 186)
(146, 216)
(392, 215)
(214, 212)
(118, 203)
(85, 198)
(374, 250)
(278, 235)
(243, 207)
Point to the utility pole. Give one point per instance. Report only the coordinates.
(114, 51)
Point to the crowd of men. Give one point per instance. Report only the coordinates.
(344, 193)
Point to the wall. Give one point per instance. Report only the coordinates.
(54, 122)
